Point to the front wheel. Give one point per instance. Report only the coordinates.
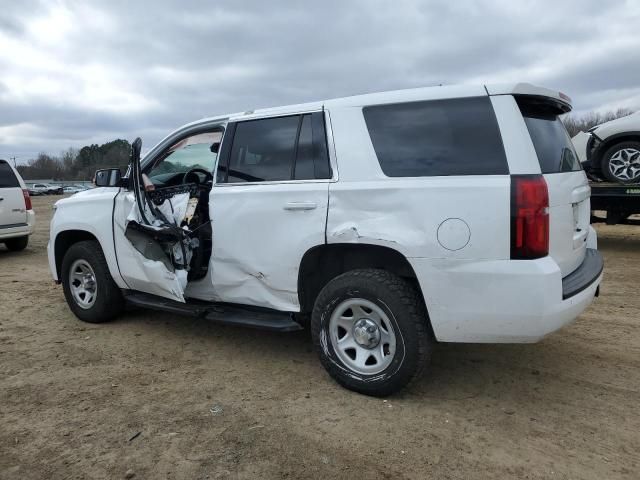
(371, 332)
(621, 163)
(91, 293)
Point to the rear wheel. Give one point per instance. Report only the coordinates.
(91, 293)
(621, 163)
(17, 244)
(370, 330)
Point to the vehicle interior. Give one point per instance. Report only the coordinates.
(184, 168)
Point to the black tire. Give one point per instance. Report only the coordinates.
(609, 154)
(17, 244)
(109, 301)
(399, 300)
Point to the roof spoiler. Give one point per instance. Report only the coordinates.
(559, 100)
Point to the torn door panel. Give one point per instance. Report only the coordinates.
(163, 249)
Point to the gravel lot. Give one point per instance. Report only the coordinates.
(207, 401)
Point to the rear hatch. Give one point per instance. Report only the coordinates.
(569, 191)
(12, 206)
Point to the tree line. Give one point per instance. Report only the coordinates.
(74, 164)
(577, 124)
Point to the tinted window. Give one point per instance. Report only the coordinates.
(274, 149)
(439, 137)
(7, 177)
(551, 141)
(320, 151)
(263, 150)
(304, 160)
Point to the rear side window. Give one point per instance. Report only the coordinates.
(304, 160)
(550, 138)
(437, 138)
(280, 148)
(8, 179)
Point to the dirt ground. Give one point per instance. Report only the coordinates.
(208, 401)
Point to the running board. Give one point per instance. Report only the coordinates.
(224, 313)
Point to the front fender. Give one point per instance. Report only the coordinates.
(90, 213)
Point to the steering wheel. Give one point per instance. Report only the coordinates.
(192, 176)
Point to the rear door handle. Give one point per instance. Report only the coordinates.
(300, 205)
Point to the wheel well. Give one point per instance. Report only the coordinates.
(611, 141)
(325, 262)
(64, 240)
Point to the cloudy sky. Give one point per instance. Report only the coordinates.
(80, 72)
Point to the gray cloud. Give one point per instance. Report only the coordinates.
(81, 72)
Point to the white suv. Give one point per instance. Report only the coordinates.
(387, 221)
(17, 218)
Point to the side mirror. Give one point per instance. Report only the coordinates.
(109, 177)
(215, 147)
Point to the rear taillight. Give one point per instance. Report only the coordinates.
(27, 199)
(529, 217)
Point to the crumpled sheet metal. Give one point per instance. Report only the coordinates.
(172, 281)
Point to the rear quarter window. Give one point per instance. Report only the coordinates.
(437, 138)
(8, 179)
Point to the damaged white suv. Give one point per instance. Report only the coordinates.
(387, 221)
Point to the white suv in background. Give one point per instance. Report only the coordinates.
(17, 218)
(387, 221)
(612, 149)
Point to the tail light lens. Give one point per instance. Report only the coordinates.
(529, 217)
(27, 199)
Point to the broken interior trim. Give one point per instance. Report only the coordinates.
(169, 225)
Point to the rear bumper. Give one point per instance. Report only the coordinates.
(19, 229)
(587, 273)
(504, 301)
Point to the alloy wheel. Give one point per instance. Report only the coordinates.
(625, 164)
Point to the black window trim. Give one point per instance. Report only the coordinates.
(227, 145)
(320, 134)
(292, 174)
